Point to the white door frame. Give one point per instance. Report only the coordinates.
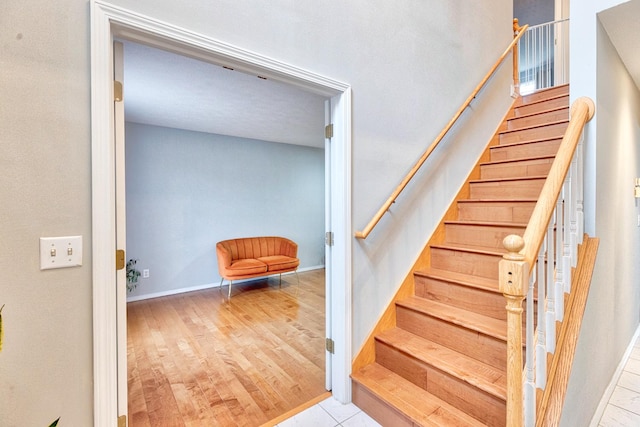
(108, 21)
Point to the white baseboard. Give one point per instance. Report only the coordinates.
(614, 381)
(206, 286)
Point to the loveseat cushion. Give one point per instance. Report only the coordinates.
(279, 262)
(243, 267)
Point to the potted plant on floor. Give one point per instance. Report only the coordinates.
(133, 274)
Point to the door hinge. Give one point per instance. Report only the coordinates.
(329, 345)
(328, 238)
(328, 131)
(122, 421)
(117, 91)
(119, 259)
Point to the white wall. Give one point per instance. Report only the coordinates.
(188, 190)
(45, 159)
(613, 144)
(410, 65)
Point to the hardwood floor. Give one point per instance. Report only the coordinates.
(196, 359)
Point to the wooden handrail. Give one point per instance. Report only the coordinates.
(518, 31)
(582, 111)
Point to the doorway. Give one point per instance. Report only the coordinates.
(160, 218)
(110, 21)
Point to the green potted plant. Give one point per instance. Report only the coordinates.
(133, 274)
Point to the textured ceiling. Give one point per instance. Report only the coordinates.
(166, 89)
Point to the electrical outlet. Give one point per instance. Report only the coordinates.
(145, 273)
(60, 252)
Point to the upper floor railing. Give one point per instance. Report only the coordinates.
(544, 56)
(518, 33)
(538, 268)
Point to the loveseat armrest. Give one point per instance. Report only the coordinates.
(288, 247)
(224, 258)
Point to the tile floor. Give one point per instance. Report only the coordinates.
(330, 413)
(623, 409)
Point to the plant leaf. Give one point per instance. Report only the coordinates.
(55, 423)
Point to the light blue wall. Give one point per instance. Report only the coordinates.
(187, 190)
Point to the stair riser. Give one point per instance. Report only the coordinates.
(536, 167)
(479, 235)
(464, 396)
(538, 119)
(527, 109)
(518, 189)
(478, 264)
(544, 132)
(481, 347)
(534, 149)
(479, 301)
(377, 408)
(519, 212)
(545, 94)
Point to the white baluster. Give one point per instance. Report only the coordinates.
(529, 384)
(580, 190)
(573, 209)
(559, 282)
(550, 311)
(566, 235)
(541, 344)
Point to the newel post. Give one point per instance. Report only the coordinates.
(516, 65)
(514, 274)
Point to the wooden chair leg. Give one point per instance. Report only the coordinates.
(230, 283)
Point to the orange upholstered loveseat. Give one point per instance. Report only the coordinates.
(251, 257)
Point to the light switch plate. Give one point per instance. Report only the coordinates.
(60, 252)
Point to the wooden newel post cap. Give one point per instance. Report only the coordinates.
(513, 244)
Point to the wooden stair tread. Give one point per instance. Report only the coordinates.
(494, 200)
(537, 113)
(531, 141)
(422, 407)
(524, 99)
(517, 178)
(458, 316)
(486, 378)
(557, 122)
(469, 248)
(460, 278)
(524, 103)
(487, 223)
(521, 159)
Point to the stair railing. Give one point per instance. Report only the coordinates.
(518, 33)
(541, 261)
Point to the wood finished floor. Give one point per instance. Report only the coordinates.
(196, 359)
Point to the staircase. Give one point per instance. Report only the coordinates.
(444, 362)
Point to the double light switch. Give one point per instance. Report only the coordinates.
(60, 252)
